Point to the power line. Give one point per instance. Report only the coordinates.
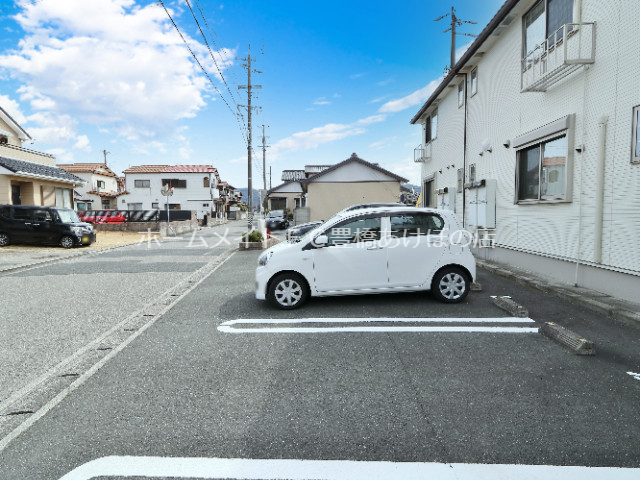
(240, 126)
(214, 35)
(210, 51)
(199, 64)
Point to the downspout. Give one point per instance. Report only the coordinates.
(577, 11)
(599, 210)
(464, 157)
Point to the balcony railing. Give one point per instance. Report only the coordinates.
(566, 50)
(422, 154)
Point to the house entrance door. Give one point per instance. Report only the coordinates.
(15, 195)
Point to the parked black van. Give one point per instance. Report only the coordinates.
(44, 226)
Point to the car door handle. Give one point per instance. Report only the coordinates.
(375, 248)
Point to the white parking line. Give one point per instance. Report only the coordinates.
(253, 469)
(231, 326)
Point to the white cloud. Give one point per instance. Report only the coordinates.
(461, 49)
(357, 75)
(384, 143)
(384, 83)
(110, 63)
(82, 143)
(322, 101)
(52, 129)
(408, 169)
(416, 98)
(379, 99)
(12, 108)
(321, 135)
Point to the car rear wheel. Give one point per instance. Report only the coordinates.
(288, 291)
(66, 241)
(4, 240)
(450, 285)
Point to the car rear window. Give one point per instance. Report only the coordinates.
(22, 214)
(414, 224)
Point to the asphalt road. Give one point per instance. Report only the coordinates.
(186, 388)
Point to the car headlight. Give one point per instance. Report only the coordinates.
(264, 258)
(77, 230)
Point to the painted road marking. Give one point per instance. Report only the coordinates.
(634, 375)
(333, 325)
(250, 469)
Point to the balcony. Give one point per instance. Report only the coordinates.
(422, 154)
(566, 50)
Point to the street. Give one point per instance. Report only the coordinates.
(216, 374)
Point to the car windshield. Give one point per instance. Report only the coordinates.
(275, 213)
(67, 215)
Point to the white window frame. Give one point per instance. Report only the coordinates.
(562, 127)
(473, 77)
(567, 177)
(461, 92)
(140, 183)
(431, 127)
(635, 135)
(545, 17)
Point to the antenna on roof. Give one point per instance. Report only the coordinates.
(455, 22)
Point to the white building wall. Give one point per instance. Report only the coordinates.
(499, 111)
(447, 149)
(195, 197)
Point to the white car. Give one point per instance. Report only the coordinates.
(374, 250)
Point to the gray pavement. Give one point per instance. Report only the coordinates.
(183, 388)
(61, 318)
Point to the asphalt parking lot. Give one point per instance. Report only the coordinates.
(189, 387)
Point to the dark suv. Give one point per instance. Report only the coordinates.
(277, 219)
(43, 225)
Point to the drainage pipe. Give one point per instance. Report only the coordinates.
(599, 193)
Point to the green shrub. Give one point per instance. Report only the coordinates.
(252, 236)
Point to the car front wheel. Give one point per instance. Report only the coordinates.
(66, 241)
(288, 291)
(4, 240)
(450, 285)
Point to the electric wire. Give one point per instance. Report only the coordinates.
(200, 64)
(210, 51)
(233, 99)
(214, 35)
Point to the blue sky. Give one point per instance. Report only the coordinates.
(83, 76)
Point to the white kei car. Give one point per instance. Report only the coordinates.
(373, 250)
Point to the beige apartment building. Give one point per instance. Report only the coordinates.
(28, 177)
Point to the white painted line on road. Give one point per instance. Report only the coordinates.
(254, 469)
(634, 375)
(24, 426)
(232, 326)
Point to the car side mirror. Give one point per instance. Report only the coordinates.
(321, 241)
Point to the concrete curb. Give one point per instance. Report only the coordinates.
(611, 308)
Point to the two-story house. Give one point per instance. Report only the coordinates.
(102, 187)
(28, 177)
(195, 187)
(533, 139)
(320, 191)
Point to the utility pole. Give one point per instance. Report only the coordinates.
(264, 170)
(455, 22)
(105, 156)
(264, 163)
(249, 87)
